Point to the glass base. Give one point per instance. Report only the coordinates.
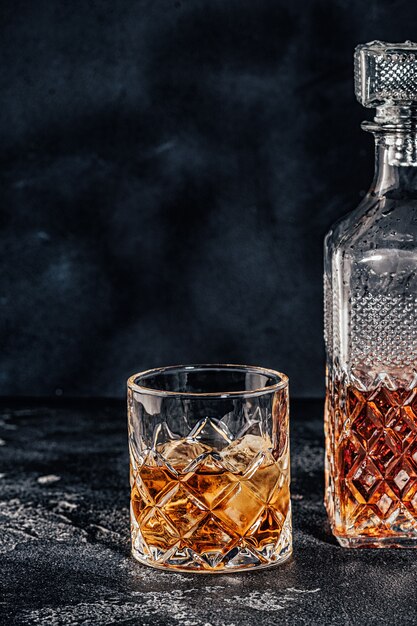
(240, 556)
(207, 570)
(377, 542)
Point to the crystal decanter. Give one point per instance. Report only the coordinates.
(370, 284)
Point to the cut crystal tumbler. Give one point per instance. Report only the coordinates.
(210, 475)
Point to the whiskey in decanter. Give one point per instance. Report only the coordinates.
(370, 284)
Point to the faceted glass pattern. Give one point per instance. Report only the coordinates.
(210, 487)
(370, 285)
(386, 73)
(372, 465)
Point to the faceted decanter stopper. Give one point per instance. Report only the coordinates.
(386, 74)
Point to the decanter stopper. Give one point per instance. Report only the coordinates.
(386, 74)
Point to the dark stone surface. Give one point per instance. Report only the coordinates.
(65, 538)
(168, 171)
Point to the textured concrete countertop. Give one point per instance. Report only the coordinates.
(64, 538)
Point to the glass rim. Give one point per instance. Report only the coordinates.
(281, 384)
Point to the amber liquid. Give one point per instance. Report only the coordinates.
(371, 464)
(208, 512)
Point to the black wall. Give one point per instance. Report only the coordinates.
(168, 172)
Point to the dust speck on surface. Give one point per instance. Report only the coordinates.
(49, 479)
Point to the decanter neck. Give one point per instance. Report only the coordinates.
(395, 133)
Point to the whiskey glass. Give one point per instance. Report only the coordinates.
(209, 468)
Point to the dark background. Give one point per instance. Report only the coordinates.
(168, 172)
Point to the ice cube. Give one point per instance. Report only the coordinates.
(242, 452)
(181, 452)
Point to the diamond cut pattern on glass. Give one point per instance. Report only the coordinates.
(384, 452)
(383, 331)
(374, 489)
(385, 72)
(212, 432)
(182, 509)
(412, 454)
(182, 451)
(279, 500)
(208, 536)
(384, 504)
(367, 425)
(267, 529)
(157, 531)
(400, 476)
(263, 478)
(410, 497)
(239, 509)
(209, 482)
(220, 509)
(401, 421)
(354, 402)
(138, 502)
(350, 455)
(364, 480)
(155, 479)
